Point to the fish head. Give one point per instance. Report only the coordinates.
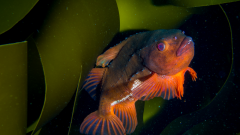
(168, 52)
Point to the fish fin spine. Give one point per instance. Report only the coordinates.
(167, 87)
(96, 124)
(126, 112)
(192, 73)
(93, 79)
(104, 59)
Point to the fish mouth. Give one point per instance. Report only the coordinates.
(186, 44)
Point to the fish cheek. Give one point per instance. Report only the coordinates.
(182, 62)
(149, 61)
(158, 62)
(154, 61)
(166, 64)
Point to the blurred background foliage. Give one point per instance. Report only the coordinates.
(12, 11)
(48, 47)
(13, 87)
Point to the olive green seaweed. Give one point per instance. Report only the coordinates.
(198, 3)
(12, 11)
(74, 33)
(13, 89)
(142, 14)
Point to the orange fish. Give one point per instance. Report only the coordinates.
(146, 65)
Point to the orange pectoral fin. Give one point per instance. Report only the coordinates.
(126, 112)
(167, 87)
(192, 73)
(155, 86)
(92, 80)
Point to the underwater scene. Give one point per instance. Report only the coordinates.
(140, 67)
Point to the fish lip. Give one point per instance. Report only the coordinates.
(186, 44)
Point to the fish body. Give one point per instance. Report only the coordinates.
(145, 65)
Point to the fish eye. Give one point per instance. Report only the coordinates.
(160, 46)
(183, 32)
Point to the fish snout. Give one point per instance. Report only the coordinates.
(186, 44)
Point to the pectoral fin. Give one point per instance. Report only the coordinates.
(167, 87)
(93, 79)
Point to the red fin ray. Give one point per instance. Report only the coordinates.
(126, 112)
(165, 86)
(95, 124)
(93, 79)
(144, 88)
(192, 73)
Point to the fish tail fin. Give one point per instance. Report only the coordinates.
(126, 112)
(95, 124)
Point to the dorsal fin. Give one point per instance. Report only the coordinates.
(93, 79)
(105, 58)
(160, 85)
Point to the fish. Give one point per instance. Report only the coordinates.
(143, 66)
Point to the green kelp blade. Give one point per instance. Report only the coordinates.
(143, 14)
(13, 89)
(198, 3)
(12, 11)
(152, 107)
(73, 35)
(70, 131)
(103, 23)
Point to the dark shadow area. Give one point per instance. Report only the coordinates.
(205, 108)
(28, 25)
(160, 2)
(36, 83)
(60, 124)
